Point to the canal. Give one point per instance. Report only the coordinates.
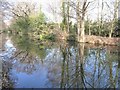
(30, 64)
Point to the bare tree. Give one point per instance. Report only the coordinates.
(115, 16)
(81, 8)
(4, 6)
(68, 18)
(23, 9)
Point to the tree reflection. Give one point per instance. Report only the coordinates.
(91, 70)
(65, 78)
(26, 54)
(69, 66)
(118, 68)
(72, 72)
(7, 82)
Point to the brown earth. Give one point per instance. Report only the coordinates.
(102, 40)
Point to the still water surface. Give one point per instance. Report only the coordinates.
(59, 65)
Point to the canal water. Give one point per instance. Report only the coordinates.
(28, 63)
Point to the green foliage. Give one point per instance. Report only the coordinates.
(71, 37)
(38, 21)
(117, 29)
(30, 24)
(21, 25)
(49, 36)
(118, 23)
(98, 30)
(41, 37)
(41, 18)
(62, 26)
(51, 25)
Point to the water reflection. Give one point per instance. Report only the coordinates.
(63, 65)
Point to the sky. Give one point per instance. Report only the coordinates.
(48, 4)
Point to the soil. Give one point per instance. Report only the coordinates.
(102, 40)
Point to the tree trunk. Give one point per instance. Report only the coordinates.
(64, 16)
(111, 30)
(68, 8)
(81, 56)
(98, 18)
(78, 20)
(82, 30)
(81, 19)
(114, 18)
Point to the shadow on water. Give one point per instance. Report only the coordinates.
(63, 65)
